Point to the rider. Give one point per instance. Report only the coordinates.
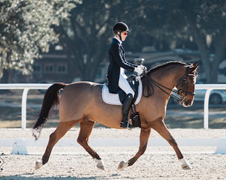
(116, 76)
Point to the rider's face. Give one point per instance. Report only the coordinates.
(124, 35)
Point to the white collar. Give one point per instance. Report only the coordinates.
(118, 40)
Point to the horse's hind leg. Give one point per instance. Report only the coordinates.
(144, 136)
(61, 130)
(161, 128)
(86, 128)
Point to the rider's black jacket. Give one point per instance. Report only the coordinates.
(117, 60)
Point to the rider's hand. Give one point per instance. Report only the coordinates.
(138, 70)
(143, 67)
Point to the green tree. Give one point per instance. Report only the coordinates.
(25, 31)
(84, 36)
(207, 19)
(87, 34)
(196, 20)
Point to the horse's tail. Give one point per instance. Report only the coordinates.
(51, 99)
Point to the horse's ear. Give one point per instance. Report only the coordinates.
(194, 66)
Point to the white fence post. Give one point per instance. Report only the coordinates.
(24, 108)
(206, 109)
(209, 88)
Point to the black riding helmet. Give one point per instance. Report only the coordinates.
(120, 27)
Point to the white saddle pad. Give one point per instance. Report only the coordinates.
(113, 99)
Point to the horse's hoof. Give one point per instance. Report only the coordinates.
(122, 165)
(100, 164)
(186, 167)
(38, 164)
(185, 164)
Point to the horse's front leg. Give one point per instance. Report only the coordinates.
(161, 128)
(144, 136)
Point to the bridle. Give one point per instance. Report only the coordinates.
(181, 92)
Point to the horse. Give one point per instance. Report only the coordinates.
(81, 103)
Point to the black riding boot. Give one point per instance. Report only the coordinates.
(125, 110)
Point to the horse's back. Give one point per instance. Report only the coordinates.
(75, 98)
(83, 101)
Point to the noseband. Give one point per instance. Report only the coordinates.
(184, 81)
(182, 92)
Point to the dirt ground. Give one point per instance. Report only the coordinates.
(67, 163)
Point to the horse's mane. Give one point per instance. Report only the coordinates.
(166, 64)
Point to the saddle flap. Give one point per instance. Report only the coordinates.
(114, 99)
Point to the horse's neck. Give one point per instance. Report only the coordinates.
(169, 77)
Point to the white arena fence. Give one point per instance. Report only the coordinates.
(27, 87)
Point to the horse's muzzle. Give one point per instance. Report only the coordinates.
(187, 103)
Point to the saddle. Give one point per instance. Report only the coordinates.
(118, 99)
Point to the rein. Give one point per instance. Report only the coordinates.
(150, 89)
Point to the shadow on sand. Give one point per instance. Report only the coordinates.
(22, 177)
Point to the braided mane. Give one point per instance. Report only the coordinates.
(166, 64)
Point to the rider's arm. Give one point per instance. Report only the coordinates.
(116, 52)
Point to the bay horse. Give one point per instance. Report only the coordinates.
(82, 103)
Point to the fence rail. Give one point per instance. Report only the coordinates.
(27, 87)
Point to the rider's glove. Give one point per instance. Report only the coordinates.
(143, 67)
(138, 70)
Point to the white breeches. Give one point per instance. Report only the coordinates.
(124, 85)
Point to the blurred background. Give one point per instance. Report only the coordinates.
(67, 41)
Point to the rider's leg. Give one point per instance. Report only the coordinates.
(124, 85)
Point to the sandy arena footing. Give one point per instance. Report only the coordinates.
(67, 163)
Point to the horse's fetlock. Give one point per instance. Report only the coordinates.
(97, 159)
(130, 163)
(45, 160)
